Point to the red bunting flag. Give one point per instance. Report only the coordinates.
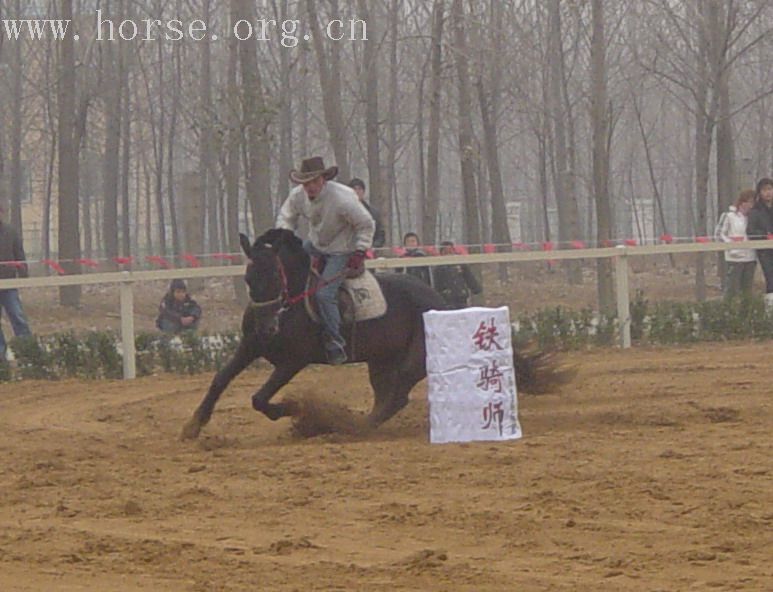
(702, 239)
(54, 265)
(547, 246)
(158, 260)
(123, 260)
(631, 242)
(89, 263)
(430, 250)
(521, 246)
(399, 251)
(577, 244)
(489, 248)
(226, 256)
(192, 260)
(666, 238)
(15, 264)
(462, 250)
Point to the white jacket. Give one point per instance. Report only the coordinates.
(731, 226)
(338, 222)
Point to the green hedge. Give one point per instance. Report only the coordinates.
(97, 355)
(662, 323)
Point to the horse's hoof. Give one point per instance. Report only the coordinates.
(191, 429)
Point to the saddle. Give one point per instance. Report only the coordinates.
(359, 299)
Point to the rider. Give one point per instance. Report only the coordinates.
(340, 232)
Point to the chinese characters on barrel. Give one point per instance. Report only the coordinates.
(493, 416)
(490, 376)
(485, 338)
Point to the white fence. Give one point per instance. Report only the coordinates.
(620, 254)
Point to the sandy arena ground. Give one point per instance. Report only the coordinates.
(652, 471)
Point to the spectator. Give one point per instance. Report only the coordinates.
(379, 237)
(739, 263)
(455, 282)
(12, 264)
(759, 226)
(412, 249)
(178, 311)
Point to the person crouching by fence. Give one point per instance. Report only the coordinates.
(759, 226)
(178, 311)
(739, 263)
(455, 282)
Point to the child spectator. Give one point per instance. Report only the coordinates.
(178, 311)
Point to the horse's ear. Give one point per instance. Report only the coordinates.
(245, 243)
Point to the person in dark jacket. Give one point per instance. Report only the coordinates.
(178, 311)
(412, 249)
(379, 237)
(759, 226)
(12, 264)
(455, 282)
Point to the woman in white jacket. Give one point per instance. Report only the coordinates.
(740, 263)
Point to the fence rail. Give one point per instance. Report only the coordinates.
(620, 255)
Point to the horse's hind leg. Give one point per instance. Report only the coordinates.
(382, 379)
(393, 385)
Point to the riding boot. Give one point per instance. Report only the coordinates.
(334, 349)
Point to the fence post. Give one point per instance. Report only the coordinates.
(623, 297)
(127, 330)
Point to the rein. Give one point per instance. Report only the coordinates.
(284, 299)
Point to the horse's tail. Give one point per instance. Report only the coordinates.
(538, 372)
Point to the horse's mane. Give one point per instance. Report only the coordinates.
(279, 237)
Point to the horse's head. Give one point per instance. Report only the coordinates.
(271, 274)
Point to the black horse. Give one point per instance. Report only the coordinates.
(277, 327)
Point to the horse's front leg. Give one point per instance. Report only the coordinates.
(245, 354)
(279, 377)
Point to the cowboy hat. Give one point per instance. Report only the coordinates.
(311, 168)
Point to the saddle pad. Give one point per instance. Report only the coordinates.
(369, 301)
(366, 295)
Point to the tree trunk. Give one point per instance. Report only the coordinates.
(430, 204)
(254, 108)
(330, 82)
(369, 76)
(231, 170)
(467, 153)
(171, 141)
(209, 204)
(285, 121)
(600, 125)
(112, 69)
(393, 200)
(17, 121)
(489, 108)
(69, 230)
(126, 225)
(566, 199)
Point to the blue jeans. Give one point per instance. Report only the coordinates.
(10, 302)
(327, 297)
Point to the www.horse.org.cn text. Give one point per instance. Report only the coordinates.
(287, 33)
